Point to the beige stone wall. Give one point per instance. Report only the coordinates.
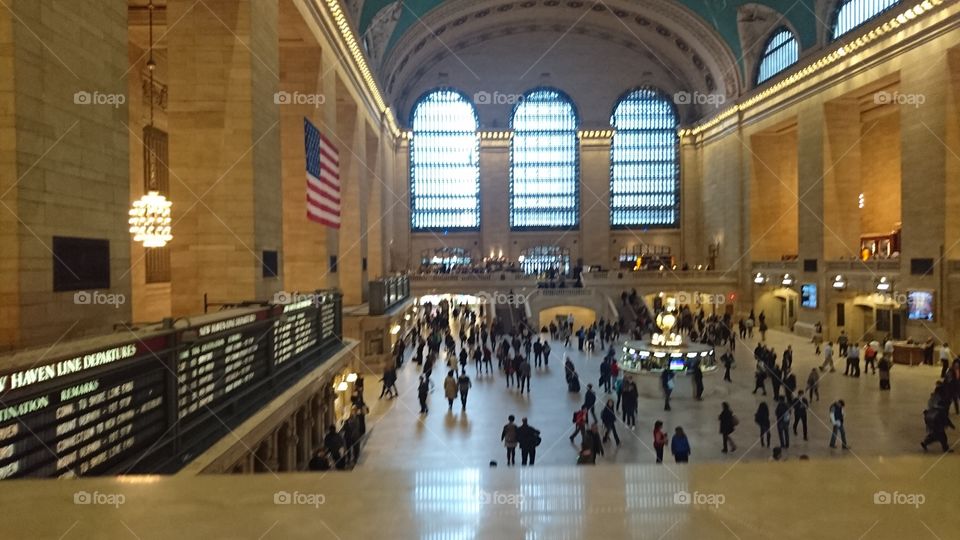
(773, 194)
(880, 173)
(65, 164)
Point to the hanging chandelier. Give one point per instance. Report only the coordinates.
(150, 220)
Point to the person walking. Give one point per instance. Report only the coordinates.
(783, 422)
(537, 352)
(946, 357)
(630, 399)
(589, 400)
(450, 389)
(727, 360)
(813, 384)
(659, 439)
(842, 342)
(509, 438)
(528, 438)
(762, 419)
(523, 374)
(937, 420)
(464, 385)
(837, 420)
(828, 357)
(666, 383)
(883, 367)
(759, 378)
(604, 380)
(697, 381)
(609, 418)
(422, 390)
(728, 422)
(800, 407)
(680, 446)
(579, 423)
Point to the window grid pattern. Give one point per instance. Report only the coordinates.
(781, 52)
(544, 162)
(444, 163)
(544, 259)
(852, 13)
(644, 162)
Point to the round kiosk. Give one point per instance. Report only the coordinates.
(666, 350)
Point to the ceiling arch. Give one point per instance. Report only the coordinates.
(500, 44)
(720, 15)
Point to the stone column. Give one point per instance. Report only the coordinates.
(351, 141)
(225, 149)
(595, 201)
(841, 179)
(494, 197)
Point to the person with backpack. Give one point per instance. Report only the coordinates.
(510, 440)
(870, 358)
(680, 446)
(579, 423)
(528, 438)
(837, 420)
(728, 422)
(464, 385)
(762, 419)
(659, 439)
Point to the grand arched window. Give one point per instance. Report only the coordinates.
(852, 13)
(544, 162)
(644, 162)
(781, 51)
(444, 163)
(540, 259)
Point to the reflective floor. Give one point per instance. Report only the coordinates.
(898, 498)
(878, 423)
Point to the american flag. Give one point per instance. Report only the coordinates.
(323, 177)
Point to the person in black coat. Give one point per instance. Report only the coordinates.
(333, 442)
(727, 424)
(528, 438)
(589, 400)
(762, 418)
(783, 422)
(609, 418)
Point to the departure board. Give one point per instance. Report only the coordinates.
(58, 421)
(229, 355)
(295, 332)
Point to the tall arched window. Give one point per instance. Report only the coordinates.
(852, 13)
(444, 163)
(781, 52)
(544, 162)
(644, 162)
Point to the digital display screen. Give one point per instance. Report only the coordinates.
(920, 305)
(677, 364)
(808, 295)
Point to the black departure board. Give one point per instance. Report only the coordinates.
(78, 415)
(228, 355)
(153, 403)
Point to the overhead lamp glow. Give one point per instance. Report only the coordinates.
(759, 279)
(351, 377)
(839, 282)
(787, 280)
(150, 220)
(342, 387)
(884, 285)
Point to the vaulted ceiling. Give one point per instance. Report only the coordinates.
(592, 49)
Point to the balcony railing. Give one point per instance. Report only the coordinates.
(873, 266)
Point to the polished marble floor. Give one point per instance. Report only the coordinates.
(878, 423)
